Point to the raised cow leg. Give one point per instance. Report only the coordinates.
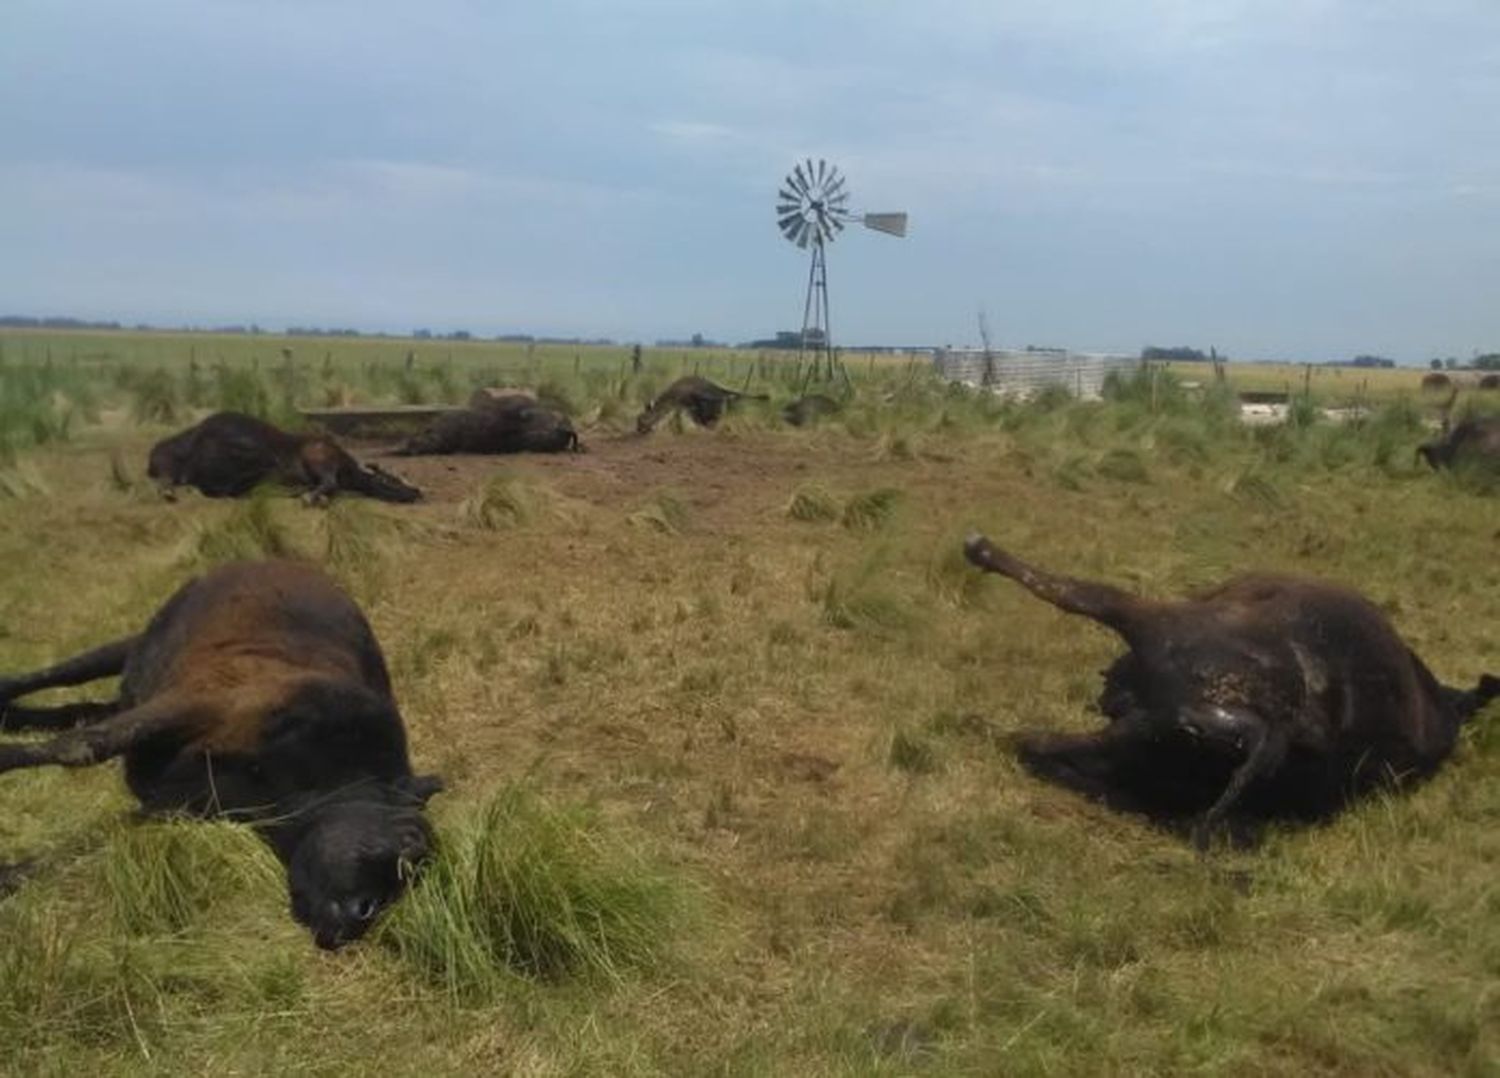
(103, 661)
(1121, 611)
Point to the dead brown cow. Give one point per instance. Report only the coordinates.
(700, 398)
(229, 453)
(1267, 696)
(259, 693)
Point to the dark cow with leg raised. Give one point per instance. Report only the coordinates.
(229, 453)
(259, 693)
(1475, 440)
(1265, 697)
(705, 401)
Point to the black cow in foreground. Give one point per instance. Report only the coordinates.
(496, 422)
(229, 453)
(258, 693)
(700, 398)
(1267, 696)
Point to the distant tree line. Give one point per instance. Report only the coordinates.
(1180, 354)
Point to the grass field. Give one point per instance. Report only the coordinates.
(722, 720)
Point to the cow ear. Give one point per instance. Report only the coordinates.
(420, 788)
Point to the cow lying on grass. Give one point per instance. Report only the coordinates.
(259, 693)
(504, 422)
(1475, 441)
(229, 453)
(700, 398)
(1267, 696)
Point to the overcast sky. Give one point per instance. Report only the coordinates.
(1300, 178)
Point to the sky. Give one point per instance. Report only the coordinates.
(1300, 179)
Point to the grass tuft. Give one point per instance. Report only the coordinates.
(814, 503)
(871, 510)
(531, 889)
(666, 513)
(250, 531)
(162, 877)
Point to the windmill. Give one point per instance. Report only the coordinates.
(811, 211)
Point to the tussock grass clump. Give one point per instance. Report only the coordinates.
(354, 538)
(20, 480)
(912, 753)
(249, 531)
(814, 503)
(857, 598)
(162, 877)
(154, 398)
(871, 510)
(505, 502)
(666, 513)
(531, 889)
(1123, 466)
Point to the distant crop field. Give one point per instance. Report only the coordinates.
(1335, 385)
(725, 722)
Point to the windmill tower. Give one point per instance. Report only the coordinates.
(811, 211)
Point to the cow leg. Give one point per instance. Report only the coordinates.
(88, 745)
(1125, 613)
(1086, 763)
(105, 661)
(14, 719)
(1264, 748)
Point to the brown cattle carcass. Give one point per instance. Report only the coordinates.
(700, 398)
(1265, 697)
(229, 453)
(257, 692)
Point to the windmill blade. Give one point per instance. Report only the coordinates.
(836, 189)
(788, 196)
(892, 224)
(788, 223)
(802, 184)
(784, 208)
(802, 230)
(822, 171)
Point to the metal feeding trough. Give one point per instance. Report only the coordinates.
(375, 422)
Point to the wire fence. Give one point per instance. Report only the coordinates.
(1022, 374)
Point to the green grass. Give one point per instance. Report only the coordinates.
(527, 889)
(729, 784)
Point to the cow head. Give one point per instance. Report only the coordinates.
(354, 858)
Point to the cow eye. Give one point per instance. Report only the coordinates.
(364, 908)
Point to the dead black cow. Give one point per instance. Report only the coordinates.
(507, 422)
(1265, 697)
(700, 398)
(258, 692)
(1475, 441)
(229, 453)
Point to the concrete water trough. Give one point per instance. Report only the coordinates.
(375, 421)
